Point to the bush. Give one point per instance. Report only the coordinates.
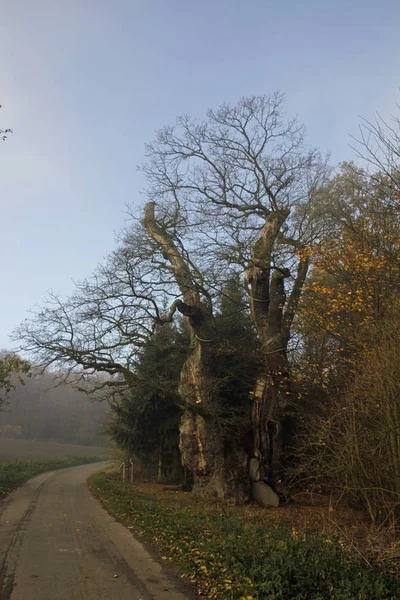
(351, 446)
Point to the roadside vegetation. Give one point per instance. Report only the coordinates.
(234, 553)
(15, 472)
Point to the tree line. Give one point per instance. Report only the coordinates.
(38, 410)
(244, 329)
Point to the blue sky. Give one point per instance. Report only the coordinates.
(85, 83)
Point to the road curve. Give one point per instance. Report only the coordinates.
(58, 543)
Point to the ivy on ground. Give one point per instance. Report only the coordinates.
(233, 558)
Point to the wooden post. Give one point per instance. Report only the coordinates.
(160, 458)
(122, 466)
(131, 468)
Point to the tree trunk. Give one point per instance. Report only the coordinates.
(269, 418)
(272, 315)
(202, 446)
(201, 441)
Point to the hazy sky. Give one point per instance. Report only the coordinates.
(85, 83)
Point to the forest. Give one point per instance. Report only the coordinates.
(245, 331)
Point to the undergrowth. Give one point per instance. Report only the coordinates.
(233, 557)
(16, 472)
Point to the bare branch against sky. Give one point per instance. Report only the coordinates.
(85, 85)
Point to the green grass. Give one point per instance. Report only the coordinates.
(232, 556)
(16, 472)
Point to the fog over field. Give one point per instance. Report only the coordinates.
(29, 449)
(39, 411)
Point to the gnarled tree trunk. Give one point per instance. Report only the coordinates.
(272, 314)
(201, 440)
(201, 443)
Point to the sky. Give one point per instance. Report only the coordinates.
(86, 83)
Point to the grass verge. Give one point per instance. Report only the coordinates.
(232, 557)
(15, 472)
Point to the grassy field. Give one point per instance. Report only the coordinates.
(11, 449)
(17, 471)
(242, 553)
(22, 459)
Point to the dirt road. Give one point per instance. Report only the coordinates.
(57, 543)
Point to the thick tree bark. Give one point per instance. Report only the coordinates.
(201, 441)
(272, 315)
(273, 390)
(215, 474)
